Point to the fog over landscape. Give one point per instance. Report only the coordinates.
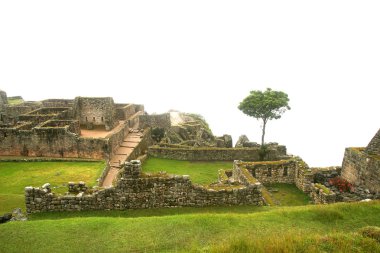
(204, 57)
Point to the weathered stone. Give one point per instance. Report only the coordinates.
(242, 139)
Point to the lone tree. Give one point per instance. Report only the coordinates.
(266, 105)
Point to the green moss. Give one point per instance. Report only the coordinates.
(323, 188)
(15, 100)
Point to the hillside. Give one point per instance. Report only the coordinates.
(332, 228)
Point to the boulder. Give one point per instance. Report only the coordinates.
(242, 139)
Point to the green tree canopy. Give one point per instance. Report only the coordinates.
(266, 105)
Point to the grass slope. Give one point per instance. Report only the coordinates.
(15, 176)
(310, 228)
(199, 172)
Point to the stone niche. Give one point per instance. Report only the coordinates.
(92, 112)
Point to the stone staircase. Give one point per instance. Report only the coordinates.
(121, 155)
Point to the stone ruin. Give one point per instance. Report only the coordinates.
(54, 127)
(134, 189)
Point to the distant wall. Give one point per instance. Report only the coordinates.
(159, 120)
(52, 139)
(214, 154)
(361, 169)
(124, 112)
(58, 103)
(95, 111)
(134, 190)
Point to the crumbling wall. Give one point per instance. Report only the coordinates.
(290, 171)
(361, 169)
(319, 196)
(135, 190)
(282, 171)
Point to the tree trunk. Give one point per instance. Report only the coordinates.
(263, 134)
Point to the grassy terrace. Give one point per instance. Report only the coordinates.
(15, 101)
(325, 228)
(287, 195)
(15, 176)
(199, 172)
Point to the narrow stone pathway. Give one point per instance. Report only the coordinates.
(121, 155)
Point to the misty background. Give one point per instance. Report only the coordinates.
(204, 57)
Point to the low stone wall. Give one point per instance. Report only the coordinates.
(361, 169)
(135, 190)
(104, 173)
(320, 197)
(215, 154)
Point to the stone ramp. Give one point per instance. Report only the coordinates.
(122, 154)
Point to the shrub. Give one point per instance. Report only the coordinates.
(342, 184)
(157, 134)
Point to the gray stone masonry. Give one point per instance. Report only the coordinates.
(136, 190)
(373, 147)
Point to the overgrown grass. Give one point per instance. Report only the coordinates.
(15, 176)
(285, 229)
(287, 195)
(199, 172)
(15, 100)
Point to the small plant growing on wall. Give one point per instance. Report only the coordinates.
(341, 184)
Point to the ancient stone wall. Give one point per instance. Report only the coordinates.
(128, 110)
(58, 103)
(214, 154)
(143, 145)
(156, 120)
(361, 169)
(273, 172)
(290, 171)
(14, 111)
(54, 138)
(95, 111)
(320, 197)
(134, 190)
(373, 147)
(3, 100)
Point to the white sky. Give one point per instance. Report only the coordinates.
(205, 57)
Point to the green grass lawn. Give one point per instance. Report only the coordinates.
(15, 176)
(199, 172)
(287, 195)
(312, 228)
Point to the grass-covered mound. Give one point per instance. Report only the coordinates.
(15, 176)
(327, 228)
